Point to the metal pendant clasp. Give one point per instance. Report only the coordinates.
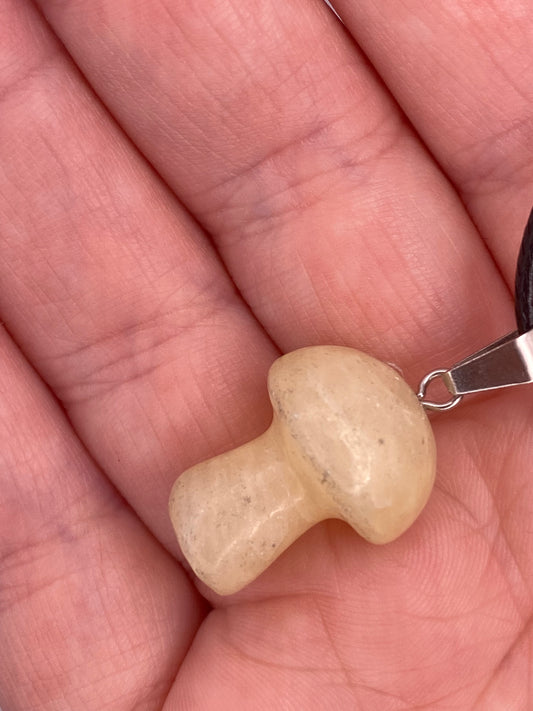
(502, 364)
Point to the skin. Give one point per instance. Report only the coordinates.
(187, 190)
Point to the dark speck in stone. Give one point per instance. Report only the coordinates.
(381, 440)
(247, 499)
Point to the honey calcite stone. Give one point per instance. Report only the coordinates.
(349, 440)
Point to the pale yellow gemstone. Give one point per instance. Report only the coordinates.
(349, 440)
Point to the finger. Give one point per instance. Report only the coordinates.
(285, 145)
(110, 288)
(93, 613)
(462, 71)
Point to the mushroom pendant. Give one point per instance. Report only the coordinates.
(349, 439)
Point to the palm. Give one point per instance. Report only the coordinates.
(337, 225)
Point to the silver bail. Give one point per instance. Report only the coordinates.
(502, 364)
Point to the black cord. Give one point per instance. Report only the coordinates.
(524, 280)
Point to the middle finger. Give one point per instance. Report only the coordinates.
(271, 126)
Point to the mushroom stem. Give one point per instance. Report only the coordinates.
(236, 513)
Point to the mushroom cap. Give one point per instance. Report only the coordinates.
(357, 434)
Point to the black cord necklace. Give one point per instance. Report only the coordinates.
(524, 281)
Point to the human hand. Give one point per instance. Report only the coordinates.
(238, 182)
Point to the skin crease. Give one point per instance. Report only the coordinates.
(187, 190)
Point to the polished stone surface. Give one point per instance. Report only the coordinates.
(348, 440)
